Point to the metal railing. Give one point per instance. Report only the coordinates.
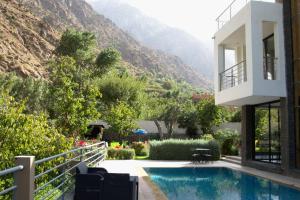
(55, 174)
(10, 171)
(233, 8)
(233, 76)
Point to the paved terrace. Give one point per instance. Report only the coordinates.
(149, 191)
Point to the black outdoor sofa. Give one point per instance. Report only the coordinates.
(98, 184)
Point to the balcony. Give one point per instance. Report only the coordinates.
(249, 55)
(233, 76)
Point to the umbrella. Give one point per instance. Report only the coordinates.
(140, 131)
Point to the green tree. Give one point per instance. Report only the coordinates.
(188, 119)
(121, 118)
(80, 45)
(209, 114)
(29, 89)
(107, 59)
(25, 134)
(72, 101)
(128, 89)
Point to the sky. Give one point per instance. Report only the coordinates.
(196, 17)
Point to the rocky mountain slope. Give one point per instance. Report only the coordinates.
(156, 35)
(30, 29)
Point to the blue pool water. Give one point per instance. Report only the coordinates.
(217, 183)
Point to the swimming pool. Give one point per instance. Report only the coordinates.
(217, 183)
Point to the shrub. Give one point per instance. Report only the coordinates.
(175, 149)
(229, 141)
(140, 148)
(207, 137)
(120, 154)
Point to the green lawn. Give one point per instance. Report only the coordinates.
(141, 157)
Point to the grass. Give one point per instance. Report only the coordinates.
(141, 157)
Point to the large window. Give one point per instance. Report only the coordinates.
(267, 132)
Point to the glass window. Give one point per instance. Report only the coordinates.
(269, 58)
(267, 132)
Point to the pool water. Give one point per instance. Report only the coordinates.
(217, 183)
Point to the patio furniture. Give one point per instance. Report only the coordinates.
(201, 155)
(120, 186)
(97, 184)
(89, 182)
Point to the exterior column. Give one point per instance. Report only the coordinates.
(248, 133)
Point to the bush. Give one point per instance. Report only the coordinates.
(207, 137)
(229, 141)
(120, 154)
(140, 148)
(175, 149)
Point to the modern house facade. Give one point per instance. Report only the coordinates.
(257, 67)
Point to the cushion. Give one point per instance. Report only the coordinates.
(82, 168)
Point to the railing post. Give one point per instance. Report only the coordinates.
(81, 155)
(25, 179)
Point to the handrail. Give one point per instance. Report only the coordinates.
(10, 171)
(62, 177)
(230, 12)
(65, 153)
(233, 66)
(233, 76)
(91, 154)
(228, 7)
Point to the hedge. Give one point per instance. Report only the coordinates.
(120, 154)
(176, 149)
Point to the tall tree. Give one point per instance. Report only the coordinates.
(72, 104)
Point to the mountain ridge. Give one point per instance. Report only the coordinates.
(47, 19)
(156, 35)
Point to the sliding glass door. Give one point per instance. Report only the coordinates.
(267, 132)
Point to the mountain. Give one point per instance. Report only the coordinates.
(156, 35)
(30, 30)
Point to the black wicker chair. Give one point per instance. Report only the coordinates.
(98, 184)
(120, 187)
(88, 182)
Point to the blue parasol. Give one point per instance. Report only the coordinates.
(140, 131)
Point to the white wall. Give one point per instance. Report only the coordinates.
(150, 127)
(255, 90)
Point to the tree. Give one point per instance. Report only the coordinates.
(26, 134)
(209, 115)
(188, 119)
(82, 47)
(107, 58)
(73, 103)
(29, 89)
(127, 89)
(121, 118)
(79, 45)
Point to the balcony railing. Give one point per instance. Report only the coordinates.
(233, 76)
(233, 8)
(55, 174)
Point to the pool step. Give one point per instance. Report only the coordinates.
(232, 159)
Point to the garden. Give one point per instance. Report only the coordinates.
(51, 115)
